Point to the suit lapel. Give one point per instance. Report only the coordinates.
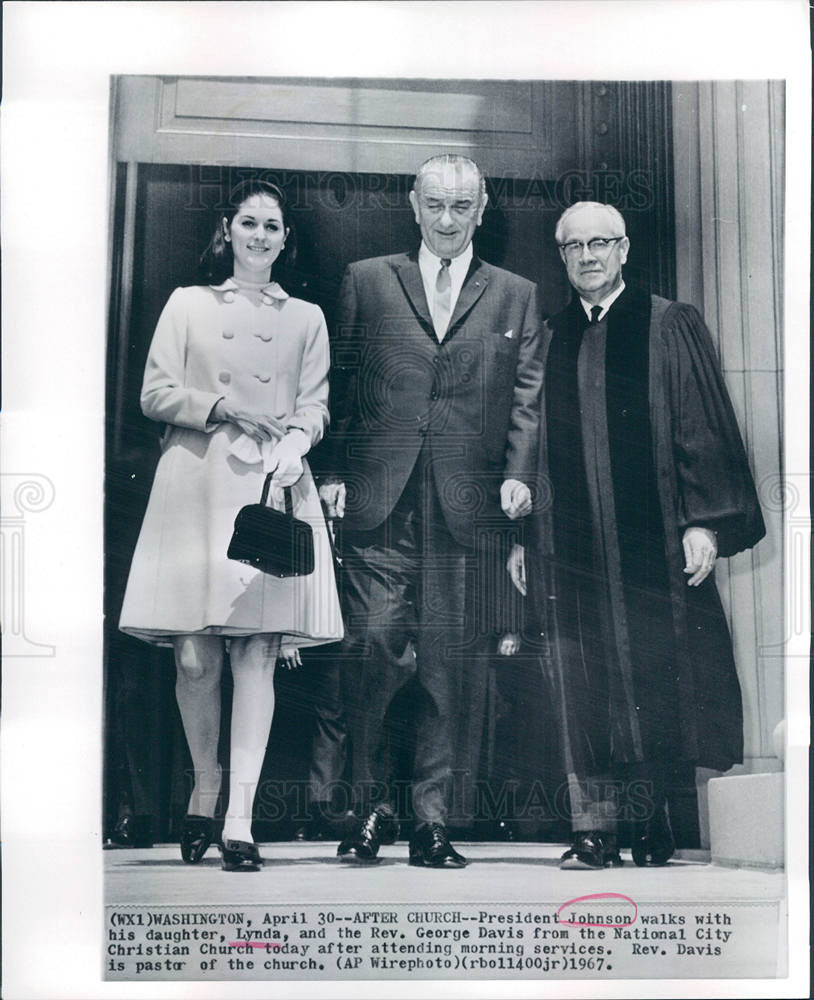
(473, 287)
(409, 275)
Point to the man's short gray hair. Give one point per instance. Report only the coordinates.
(614, 214)
(442, 160)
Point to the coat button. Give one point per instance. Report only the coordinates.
(225, 378)
(263, 378)
(228, 296)
(228, 334)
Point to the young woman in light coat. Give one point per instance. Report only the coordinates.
(238, 375)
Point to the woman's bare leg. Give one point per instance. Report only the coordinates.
(199, 664)
(253, 660)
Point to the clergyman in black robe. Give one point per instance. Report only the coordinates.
(647, 482)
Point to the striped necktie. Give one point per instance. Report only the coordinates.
(442, 307)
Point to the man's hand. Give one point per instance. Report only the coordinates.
(257, 425)
(285, 461)
(289, 657)
(516, 567)
(333, 496)
(700, 550)
(509, 644)
(515, 498)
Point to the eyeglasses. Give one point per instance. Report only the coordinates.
(598, 245)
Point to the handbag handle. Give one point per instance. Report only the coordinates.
(289, 504)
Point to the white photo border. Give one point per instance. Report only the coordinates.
(58, 60)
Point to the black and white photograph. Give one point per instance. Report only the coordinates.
(406, 499)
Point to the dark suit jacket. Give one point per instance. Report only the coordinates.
(474, 399)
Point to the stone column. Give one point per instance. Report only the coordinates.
(729, 146)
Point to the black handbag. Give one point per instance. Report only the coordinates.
(271, 540)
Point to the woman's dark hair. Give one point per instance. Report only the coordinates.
(217, 261)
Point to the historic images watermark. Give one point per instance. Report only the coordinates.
(629, 190)
(21, 494)
(788, 496)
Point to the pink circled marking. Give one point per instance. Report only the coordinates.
(597, 895)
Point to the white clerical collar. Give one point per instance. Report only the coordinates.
(432, 262)
(605, 304)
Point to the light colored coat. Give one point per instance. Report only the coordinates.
(265, 351)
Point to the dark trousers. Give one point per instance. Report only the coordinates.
(627, 793)
(408, 598)
(329, 746)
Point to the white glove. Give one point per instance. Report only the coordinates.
(285, 460)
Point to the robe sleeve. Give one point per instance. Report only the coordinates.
(714, 483)
(165, 396)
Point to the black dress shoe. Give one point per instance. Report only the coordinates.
(133, 831)
(653, 844)
(240, 856)
(591, 849)
(430, 848)
(197, 834)
(361, 846)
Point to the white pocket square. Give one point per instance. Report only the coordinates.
(509, 334)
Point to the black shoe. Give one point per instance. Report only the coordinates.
(653, 844)
(591, 849)
(430, 848)
(362, 845)
(197, 834)
(133, 831)
(240, 856)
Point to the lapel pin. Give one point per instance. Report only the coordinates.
(508, 334)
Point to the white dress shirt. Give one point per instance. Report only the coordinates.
(605, 304)
(429, 265)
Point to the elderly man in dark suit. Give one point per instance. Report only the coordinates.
(649, 484)
(436, 430)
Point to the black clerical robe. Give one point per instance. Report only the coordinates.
(639, 442)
